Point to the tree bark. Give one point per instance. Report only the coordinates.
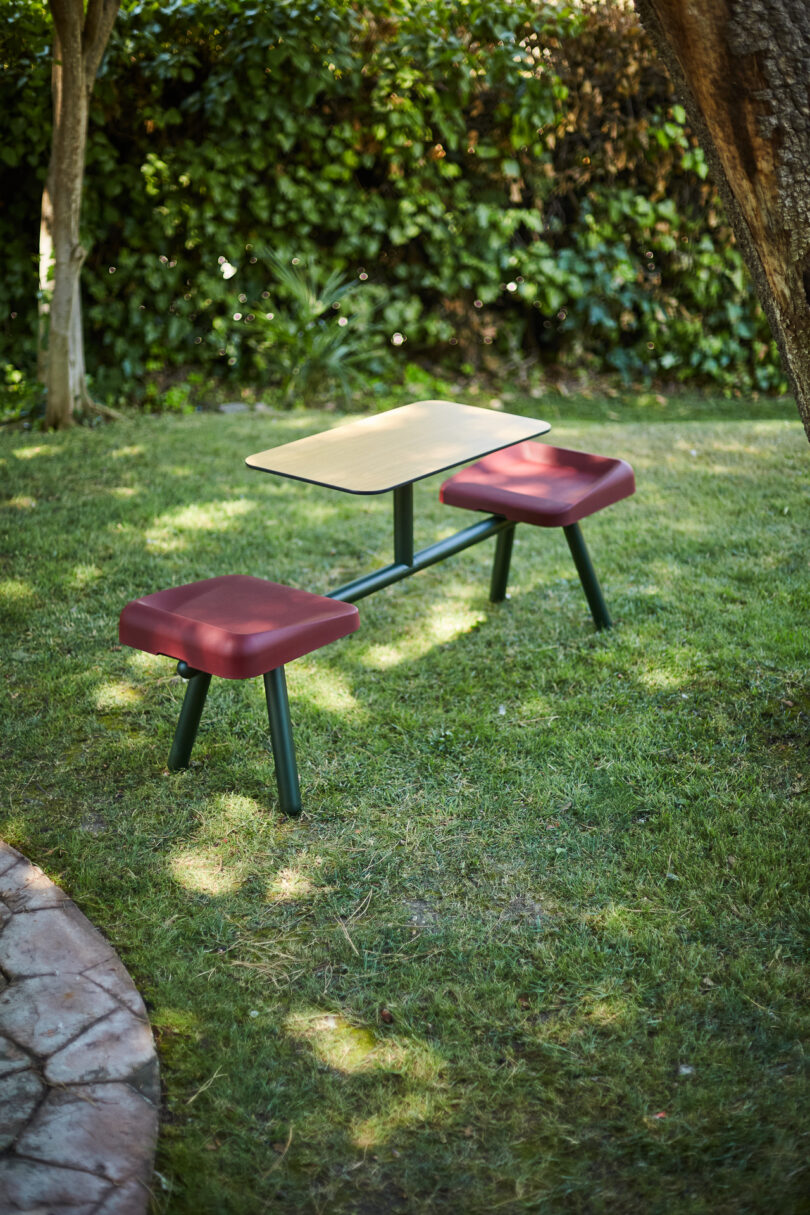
(80, 39)
(742, 69)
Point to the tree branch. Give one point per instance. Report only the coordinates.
(98, 25)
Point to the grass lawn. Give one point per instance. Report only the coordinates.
(538, 942)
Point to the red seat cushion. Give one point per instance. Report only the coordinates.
(536, 483)
(235, 626)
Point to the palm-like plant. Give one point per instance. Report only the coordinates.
(309, 343)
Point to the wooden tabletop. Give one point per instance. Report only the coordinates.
(373, 455)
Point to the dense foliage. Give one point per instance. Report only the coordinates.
(508, 178)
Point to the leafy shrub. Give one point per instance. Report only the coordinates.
(499, 172)
(311, 341)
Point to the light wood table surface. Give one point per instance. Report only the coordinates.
(386, 454)
(381, 453)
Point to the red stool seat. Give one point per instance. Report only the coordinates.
(235, 626)
(535, 483)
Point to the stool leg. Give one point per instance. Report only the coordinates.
(587, 576)
(190, 714)
(278, 711)
(500, 566)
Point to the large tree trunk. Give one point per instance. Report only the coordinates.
(742, 68)
(79, 42)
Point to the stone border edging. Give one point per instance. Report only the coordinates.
(79, 1082)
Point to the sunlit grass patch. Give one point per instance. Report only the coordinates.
(290, 883)
(84, 574)
(16, 592)
(32, 451)
(174, 529)
(118, 695)
(324, 688)
(20, 502)
(207, 872)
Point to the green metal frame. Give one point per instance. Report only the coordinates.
(582, 561)
(190, 714)
(407, 562)
(587, 576)
(281, 736)
(500, 565)
(403, 525)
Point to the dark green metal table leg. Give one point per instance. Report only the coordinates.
(403, 525)
(587, 576)
(190, 714)
(500, 565)
(281, 738)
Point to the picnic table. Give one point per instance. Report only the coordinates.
(388, 453)
(237, 626)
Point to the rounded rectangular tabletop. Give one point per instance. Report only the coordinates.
(383, 452)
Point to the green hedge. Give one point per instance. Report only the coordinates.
(506, 179)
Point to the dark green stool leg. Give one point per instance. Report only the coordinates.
(278, 710)
(500, 566)
(190, 714)
(587, 576)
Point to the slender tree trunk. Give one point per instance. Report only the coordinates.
(79, 41)
(742, 68)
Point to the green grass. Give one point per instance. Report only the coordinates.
(572, 868)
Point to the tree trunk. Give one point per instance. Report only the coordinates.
(742, 68)
(79, 42)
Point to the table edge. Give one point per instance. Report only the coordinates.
(386, 489)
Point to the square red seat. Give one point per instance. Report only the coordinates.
(545, 486)
(539, 484)
(236, 626)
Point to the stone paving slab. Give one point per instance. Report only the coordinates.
(79, 1083)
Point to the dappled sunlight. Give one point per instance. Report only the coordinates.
(236, 809)
(447, 621)
(83, 575)
(340, 1045)
(317, 511)
(606, 1010)
(30, 453)
(324, 687)
(538, 710)
(149, 665)
(732, 443)
(134, 449)
(415, 1109)
(221, 863)
(659, 679)
(350, 1048)
(534, 898)
(290, 884)
(15, 593)
(381, 657)
(166, 533)
(20, 502)
(115, 694)
(206, 871)
(304, 879)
